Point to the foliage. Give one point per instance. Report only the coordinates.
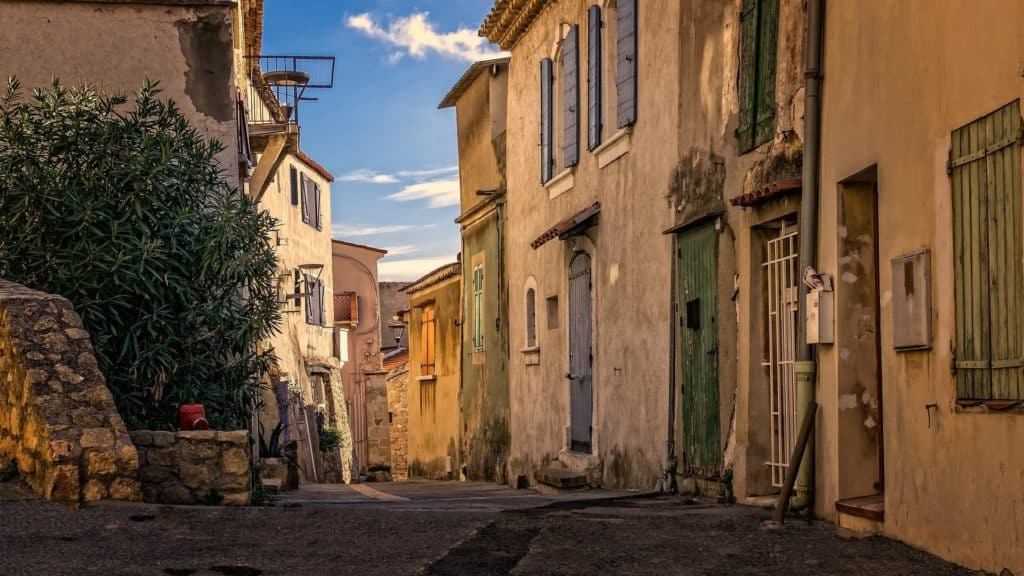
(122, 208)
(272, 447)
(330, 438)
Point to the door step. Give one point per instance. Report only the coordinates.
(560, 478)
(871, 507)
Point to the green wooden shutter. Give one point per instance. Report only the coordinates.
(985, 171)
(767, 48)
(748, 74)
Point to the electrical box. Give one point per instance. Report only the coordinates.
(912, 301)
(820, 316)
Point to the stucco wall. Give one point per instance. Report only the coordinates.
(116, 46)
(894, 90)
(57, 417)
(434, 417)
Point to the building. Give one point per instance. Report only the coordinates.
(435, 359)
(357, 316)
(480, 97)
(392, 301)
(188, 47)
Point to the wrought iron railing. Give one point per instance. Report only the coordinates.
(280, 85)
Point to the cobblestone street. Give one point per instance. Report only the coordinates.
(438, 528)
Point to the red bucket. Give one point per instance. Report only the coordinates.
(192, 417)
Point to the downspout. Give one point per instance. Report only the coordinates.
(805, 361)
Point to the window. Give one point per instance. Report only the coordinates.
(560, 108)
(314, 301)
(596, 97)
(625, 61)
(294, 174)
(311, 203)
(304, 185)
(427, 335)
(985, 169)
(478, 308)
(569, 74)
(759, 22)
(552, 312)
(531, 318)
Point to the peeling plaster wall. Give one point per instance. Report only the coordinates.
(116, 46)
(955, 488)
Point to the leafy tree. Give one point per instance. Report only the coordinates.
(122, 208)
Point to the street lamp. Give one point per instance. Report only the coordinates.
(397, 330)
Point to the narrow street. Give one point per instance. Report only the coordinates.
(438, 528)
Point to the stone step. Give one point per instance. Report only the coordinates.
(560, 478)
(271, 484)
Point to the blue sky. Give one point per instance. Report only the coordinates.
(393, 154)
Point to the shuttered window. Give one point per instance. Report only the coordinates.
(314, 301)
(547, 158)
(294, 177)
(427, 336)
(985, 171)
(570, 76)
(625, 69)
(594, 86)
(318, 212)
(759, 23)
(303, 186)
(478, 308)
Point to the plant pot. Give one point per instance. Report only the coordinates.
(273, 469)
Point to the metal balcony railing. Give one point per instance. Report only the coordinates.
(280, 84)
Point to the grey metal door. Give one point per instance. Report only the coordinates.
(581, 357)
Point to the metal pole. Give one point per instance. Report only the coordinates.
(798, 451)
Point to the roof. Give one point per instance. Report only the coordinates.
(573, 224)
(763, 194)
(434, 277)
(315, 166)
(363, 246)
(395, 358)
(510, 19)
(467, 79)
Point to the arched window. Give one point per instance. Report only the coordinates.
(531, 318)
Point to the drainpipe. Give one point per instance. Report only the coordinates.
(805, 360)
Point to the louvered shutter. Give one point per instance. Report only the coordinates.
(320, 306)
(319, 213)
(305, 197)
(748, 74)
(310, 298)
(546, 120)
(244, 150)
(294, 174)
(625, 68)
(767, 48)
(594, 77)
(571, 97)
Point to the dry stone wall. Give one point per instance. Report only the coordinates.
(57, 417)
(398, 405)
(199, 467)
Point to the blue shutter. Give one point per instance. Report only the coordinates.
(594, 77)
(546, 121)
(571, 97)
(625, 69)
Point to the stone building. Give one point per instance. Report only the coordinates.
(435, 359)
(358, 319)
(480, 97)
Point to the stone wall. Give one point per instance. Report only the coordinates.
(378, 427)
(200, 467)
(398, 405)
(57, 417)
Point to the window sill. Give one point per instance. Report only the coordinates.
(615, 147)
(989, 406)
(430, 378)
(531, 355)
(561, 182)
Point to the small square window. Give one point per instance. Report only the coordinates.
(552, 312)
(693, 314)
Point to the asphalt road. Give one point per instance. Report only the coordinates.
(438, 529)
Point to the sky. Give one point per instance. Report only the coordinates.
(393, 154)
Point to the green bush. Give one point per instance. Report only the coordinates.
(121, 207)
(330, 438)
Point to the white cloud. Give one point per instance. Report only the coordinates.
(416, 36)
(408, 270)
(428, 173)
(401, 250)
(367, 175)
(342, 231)
(437, 193)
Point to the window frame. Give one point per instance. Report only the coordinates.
(757, 79)
(478, 308)
(428, 340)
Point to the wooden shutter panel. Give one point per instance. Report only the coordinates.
(320, 305)
(988, 276)
(571, 97)
(294, 174)
(748, 71)
(244, 150)
(768, 47)
(546, 121)
(625, 68)
(310, 298)
(305, 197)
(594, 77)
(319, 213)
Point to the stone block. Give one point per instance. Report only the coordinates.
(62, 451)
(237, 498)
(176, 494)
(68, 375)
(127, 489)
(142, 437)
(62, 483)
(199, 452)
(194, 476)
(237, 437)
(235, 461)
(198, 435)
(101, 438)
(94, 490)
(100, 463)
(87, 417)
(76, 334)
(154, 475)
(233, 482)
(163, 439)
(163, 456)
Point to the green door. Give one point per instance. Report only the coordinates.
(698, 349)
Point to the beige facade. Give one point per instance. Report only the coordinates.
(115, 46)
(435, 360)
(357, 311)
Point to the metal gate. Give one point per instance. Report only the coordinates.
(581, 356)
(698, 350)
(782, 285)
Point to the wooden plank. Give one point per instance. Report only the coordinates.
(958, 255)
(1016, 248)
